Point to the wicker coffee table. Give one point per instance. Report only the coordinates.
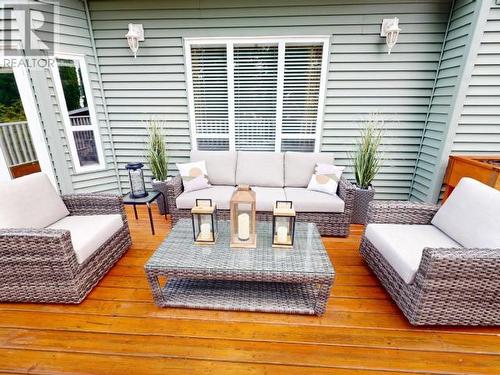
(295, 281)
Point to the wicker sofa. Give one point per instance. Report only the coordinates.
(440, 265)
(56, 249)
(273, 176)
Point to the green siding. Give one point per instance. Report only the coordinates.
(449, 75)
(362, 78)
(478, 130)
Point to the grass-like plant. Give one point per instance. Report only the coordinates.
(156, 150)
(366, 157)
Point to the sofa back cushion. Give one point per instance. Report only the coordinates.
(30, 202)
(221, 166)
(257, 168)
(299, 166)
(471, 215)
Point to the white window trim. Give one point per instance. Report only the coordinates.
(34, 123)
(280, 40)
(65, 115)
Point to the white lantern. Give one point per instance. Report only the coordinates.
(134, 36)
(390, 29)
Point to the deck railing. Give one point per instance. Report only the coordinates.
(16, 143)
(80, 120)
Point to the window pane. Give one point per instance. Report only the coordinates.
(303, 145)
(213, 144)
(255, 93)
(301, 88)
(209, 70)
(86, 147)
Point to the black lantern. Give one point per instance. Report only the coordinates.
(136, 180)
(283, 224)
(204, 218)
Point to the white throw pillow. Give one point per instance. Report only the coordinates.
(194, 175)
(326, 178)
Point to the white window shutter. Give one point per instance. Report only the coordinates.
(255, 92)
(257, 96)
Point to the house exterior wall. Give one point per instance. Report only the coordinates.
(362, 78)
(478, 130)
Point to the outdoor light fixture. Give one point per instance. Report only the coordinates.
(390, 29)
(134, 36)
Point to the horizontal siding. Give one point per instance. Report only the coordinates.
(74, 37)
(448, 77)
(478, 130)
(362, 78)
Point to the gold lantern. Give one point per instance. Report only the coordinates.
(204, 219)
(243, 221)
(283, 224)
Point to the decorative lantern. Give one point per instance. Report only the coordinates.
(243, 222)
(134, 36)
(283, 224)
(204, 218)
(390, 29)
(136, 180)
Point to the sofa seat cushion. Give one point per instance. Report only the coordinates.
(256, 168)
(299, 166)
(89, 233)
(30, 202)
(402, 245)
(221, 165)
(220, 195)
(471, 215)
(313, 201)
(266, 197)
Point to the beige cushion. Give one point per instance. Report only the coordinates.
(221, 165)
(260, 169)
(89, 233)
(30, 202)
(299, 166)
(313, 201)
(471, 215)
(402, 245)
(266, 197)
(220, 195)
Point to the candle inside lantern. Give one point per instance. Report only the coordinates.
(205, 231)
(282, 233)
(243, 227)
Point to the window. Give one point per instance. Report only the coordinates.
(76, 102)
(262, 94)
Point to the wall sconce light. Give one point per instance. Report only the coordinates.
(390, 29)
(134, 36)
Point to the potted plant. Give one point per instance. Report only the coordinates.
(158, 160)
(366, 164)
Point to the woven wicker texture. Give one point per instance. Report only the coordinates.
(452, 286)
(328, 223)
(362, 198)
(305, 269)
(39, 265)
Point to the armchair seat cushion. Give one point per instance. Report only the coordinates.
(402, 245)
(220, 195)
(88, 233)
(266, 197)
(313, 201)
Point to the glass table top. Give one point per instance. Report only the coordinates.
(178, 251)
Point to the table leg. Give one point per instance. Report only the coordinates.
(135, 212)
(151, 218)
(323, 294)
(154, 283)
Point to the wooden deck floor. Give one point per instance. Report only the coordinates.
(118, 330)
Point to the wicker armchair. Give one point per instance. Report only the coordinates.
(452, 286)
(40, 265)
(329, 224)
